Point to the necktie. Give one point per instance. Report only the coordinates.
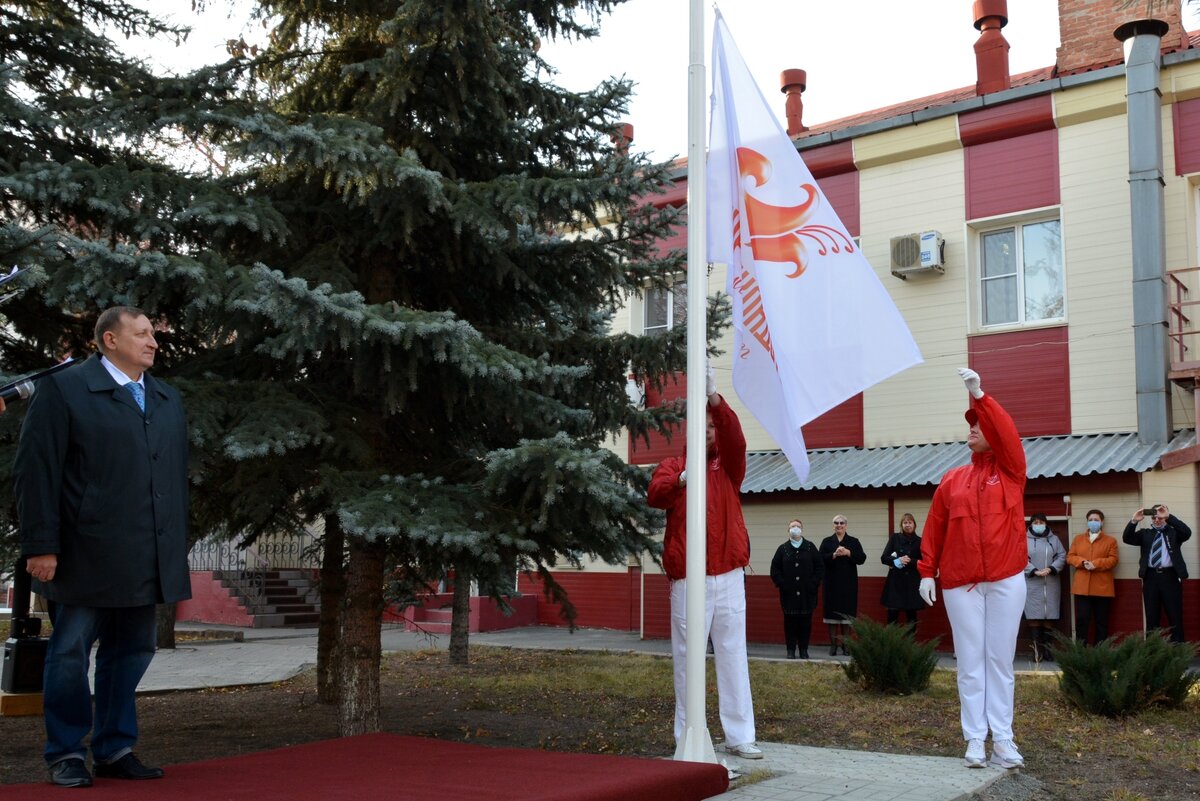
(1156, 551)
(139, 394)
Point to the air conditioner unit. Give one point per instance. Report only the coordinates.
(918, 253)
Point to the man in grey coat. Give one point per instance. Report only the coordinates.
(102, 496)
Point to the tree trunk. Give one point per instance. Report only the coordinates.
(333, 594)
(358, 660)
(460, 619)
(164, 623)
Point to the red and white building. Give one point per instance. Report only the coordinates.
(1067, 273)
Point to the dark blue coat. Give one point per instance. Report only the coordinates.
(105, 488)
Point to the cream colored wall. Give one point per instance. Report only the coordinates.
(924, 403)
(1094, 179)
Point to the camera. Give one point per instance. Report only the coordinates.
(1150, 511)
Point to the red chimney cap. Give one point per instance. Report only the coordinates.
(990, 8)
(793, 77)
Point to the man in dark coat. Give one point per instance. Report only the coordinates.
(102, 495)
(1161, 566)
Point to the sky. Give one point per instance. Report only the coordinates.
(859, 54)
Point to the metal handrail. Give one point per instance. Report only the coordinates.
(1178, 323)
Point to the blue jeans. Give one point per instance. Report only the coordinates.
(127, 641)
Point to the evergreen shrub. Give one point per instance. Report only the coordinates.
(888, 658)
(1118, 680)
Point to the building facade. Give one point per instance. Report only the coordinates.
(1067, 200)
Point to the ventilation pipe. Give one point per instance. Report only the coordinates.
(793, 83)
(1142, 39)
(991, 48)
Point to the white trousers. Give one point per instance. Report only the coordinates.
(985, 618)
(725, 622)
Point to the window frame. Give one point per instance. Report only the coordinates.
(977, 231)
(672, 293)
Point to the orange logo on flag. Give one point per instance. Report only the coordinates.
(777, 233)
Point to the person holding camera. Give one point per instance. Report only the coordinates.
(1160, 565)
(974, 541)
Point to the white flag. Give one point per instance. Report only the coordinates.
(813, 326)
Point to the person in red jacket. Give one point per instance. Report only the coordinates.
(974, 541)
(728, 553)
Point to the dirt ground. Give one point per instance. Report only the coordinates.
(190, 726)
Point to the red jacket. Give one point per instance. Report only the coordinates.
(975, 530)
(728, 540)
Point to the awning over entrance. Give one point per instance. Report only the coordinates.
(921, 465)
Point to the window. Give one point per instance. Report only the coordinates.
(664, 309)
(1021, 274)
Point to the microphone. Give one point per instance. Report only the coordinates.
(18, 391)
(22, 388)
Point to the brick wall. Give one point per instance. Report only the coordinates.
(1085, 29)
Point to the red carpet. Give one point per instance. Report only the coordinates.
(396, 768)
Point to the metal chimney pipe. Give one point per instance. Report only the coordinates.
(1142, 40)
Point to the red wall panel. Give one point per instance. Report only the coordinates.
(674, 390)
(840, 427)
(1006, 121)
(676, 240)
(602, 600)
(1186, 122)
(1028, 371)
(842, 193)
(829, 160)
(1012, 174)
(657, 624)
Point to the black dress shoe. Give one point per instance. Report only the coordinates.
(804, 654)
(833, 649)
(70, 773)
(791, 653)
(127, 767)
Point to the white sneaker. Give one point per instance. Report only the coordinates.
(745, 751)
(975, 757)
(1005, 755)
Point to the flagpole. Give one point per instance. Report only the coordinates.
(696, 743)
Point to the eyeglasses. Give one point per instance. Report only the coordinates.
(1156, 517)
(839, 522)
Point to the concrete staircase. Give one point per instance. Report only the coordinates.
(275, 598)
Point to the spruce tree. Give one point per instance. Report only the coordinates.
(392, 315)
(444, 319)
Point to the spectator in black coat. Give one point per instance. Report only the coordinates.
(842, 555)
(901, 555)
(797, 570)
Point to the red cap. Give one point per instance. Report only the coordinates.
(971, 416)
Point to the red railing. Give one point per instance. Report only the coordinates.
(1178, 322)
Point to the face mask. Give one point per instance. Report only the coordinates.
(1038, 528)
(795, 531)
(1094, 526)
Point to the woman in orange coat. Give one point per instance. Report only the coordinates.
(1094, 556)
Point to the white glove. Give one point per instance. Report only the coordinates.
(710, 380)
(927, 591)
(682, 477)
(971, 379)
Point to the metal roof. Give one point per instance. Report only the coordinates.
(918, 465)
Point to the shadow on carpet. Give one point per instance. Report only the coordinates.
(394, 767)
